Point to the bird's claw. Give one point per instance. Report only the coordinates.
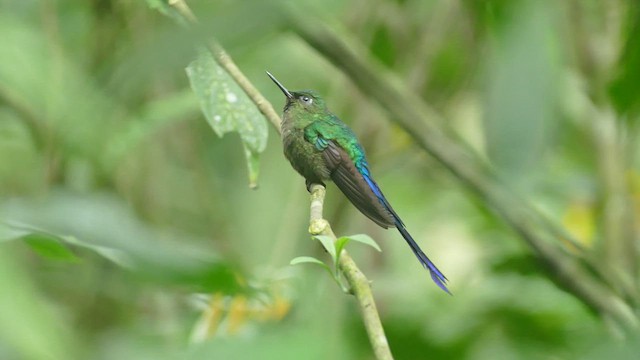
(309, 183)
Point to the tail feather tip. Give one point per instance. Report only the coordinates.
(440, 281)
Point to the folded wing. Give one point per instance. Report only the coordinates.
(355, 186)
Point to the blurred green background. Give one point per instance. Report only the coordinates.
(128, 229)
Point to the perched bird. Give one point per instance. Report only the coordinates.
(321, 147)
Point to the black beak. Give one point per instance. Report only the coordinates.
(284, 89)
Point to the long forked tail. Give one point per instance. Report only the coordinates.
(393, 218)
(436, 275)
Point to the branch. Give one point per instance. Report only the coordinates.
(422, 123)
(224, 60)
(419, 120)
(358, 282)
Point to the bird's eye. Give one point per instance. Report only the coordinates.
(307, 100)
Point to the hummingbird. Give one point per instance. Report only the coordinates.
(321, 147)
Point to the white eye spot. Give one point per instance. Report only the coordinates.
(307, 100)
(231, 97)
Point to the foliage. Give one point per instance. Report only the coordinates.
(127, 229)
(334, 248)
(227, 108)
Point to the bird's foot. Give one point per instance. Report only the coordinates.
(309, 183)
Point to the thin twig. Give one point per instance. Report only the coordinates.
(358, 282)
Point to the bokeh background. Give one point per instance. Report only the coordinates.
(128, 229)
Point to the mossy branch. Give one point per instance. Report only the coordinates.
(358, 282)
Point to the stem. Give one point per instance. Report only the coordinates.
(358, 282)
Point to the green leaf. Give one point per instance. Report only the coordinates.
(50, 247)
(364, 239)
(340, 244)
(116, 256)
(328, 243)
(306, 259)
(227, 108)
(105, 224)
(312, 260)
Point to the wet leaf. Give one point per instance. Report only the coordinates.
(227, 108)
